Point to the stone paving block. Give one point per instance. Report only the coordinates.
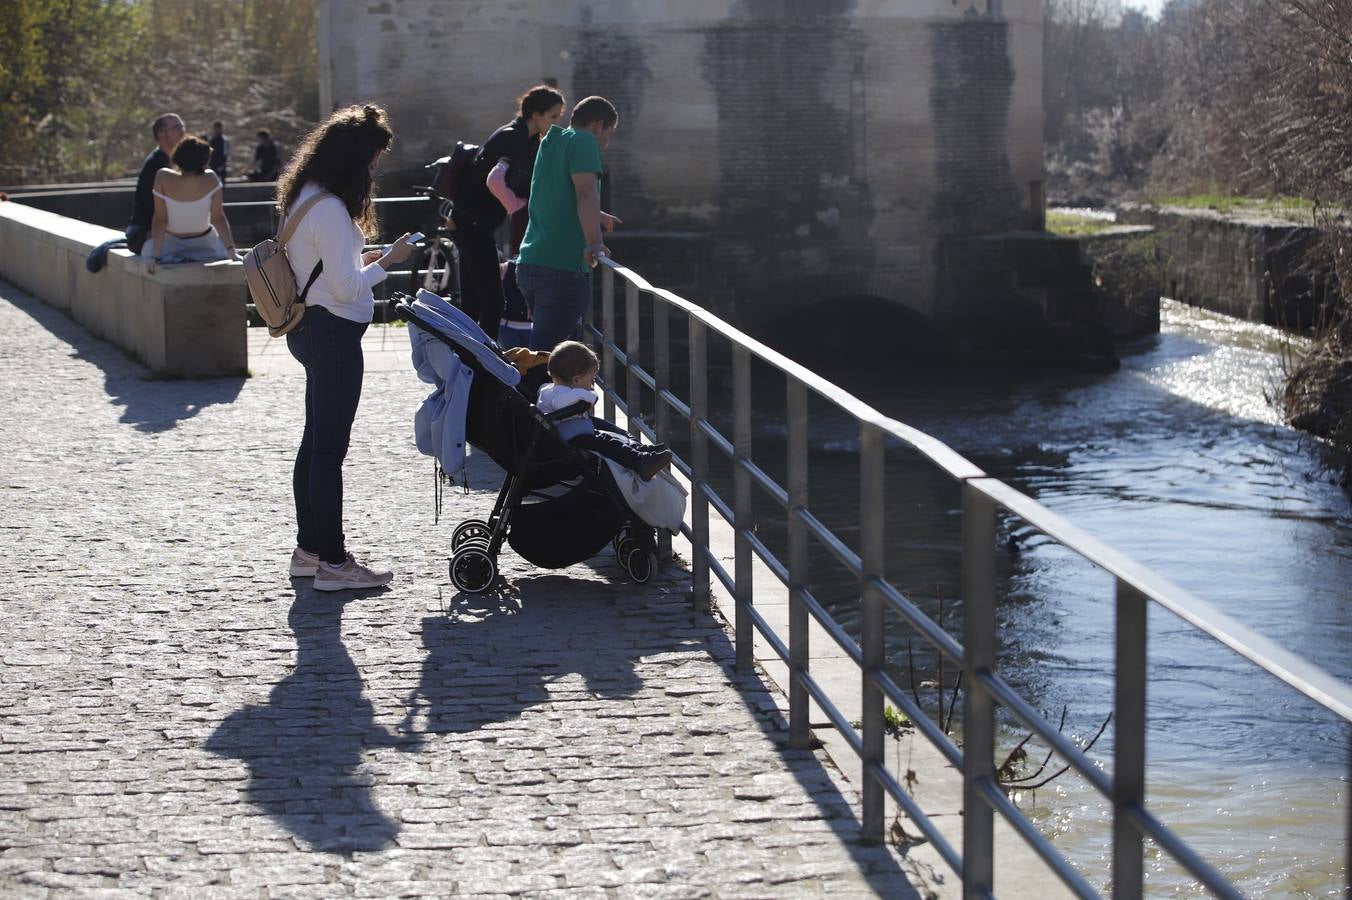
(182, 719)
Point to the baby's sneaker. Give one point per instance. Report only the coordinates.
(350, 576)
(653, 463)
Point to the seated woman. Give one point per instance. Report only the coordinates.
(189, 223)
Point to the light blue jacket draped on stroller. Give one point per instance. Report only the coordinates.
(439, 424)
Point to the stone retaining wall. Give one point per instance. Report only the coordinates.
(1128, 278)
(1243, 266)
(183, 321)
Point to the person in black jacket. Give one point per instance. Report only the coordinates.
(496, 186)
(220, 150)
(267, 158)
(167, 130)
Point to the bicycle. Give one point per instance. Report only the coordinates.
(437, 266)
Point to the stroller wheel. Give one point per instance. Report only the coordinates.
(472, 569)
(641, 565)
(618, 541)
(468, 530)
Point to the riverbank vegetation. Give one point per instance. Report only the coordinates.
(81, 80)
(1214, 102)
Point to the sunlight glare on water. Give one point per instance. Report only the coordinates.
(1180, 460)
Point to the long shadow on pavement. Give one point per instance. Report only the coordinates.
(150, 404)
(304, 746)
(492, 657)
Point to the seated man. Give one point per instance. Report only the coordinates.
(168, 130)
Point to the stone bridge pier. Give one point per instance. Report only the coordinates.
(773, 155)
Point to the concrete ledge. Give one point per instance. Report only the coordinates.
(183, 321)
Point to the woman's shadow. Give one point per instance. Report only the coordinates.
(304, 746)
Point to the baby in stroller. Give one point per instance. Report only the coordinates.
(572, 369)
(558, 505)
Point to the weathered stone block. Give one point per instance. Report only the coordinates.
(182, 321)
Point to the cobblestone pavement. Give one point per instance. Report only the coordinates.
(179, 717)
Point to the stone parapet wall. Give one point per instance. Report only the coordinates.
(183, 321)
(109, 204)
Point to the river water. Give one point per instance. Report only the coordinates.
(1179, 460)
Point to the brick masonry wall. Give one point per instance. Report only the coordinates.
(822, 149)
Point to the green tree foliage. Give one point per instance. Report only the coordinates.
(59, 96)
(81, 80)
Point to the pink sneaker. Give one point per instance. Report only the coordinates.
(350, 576)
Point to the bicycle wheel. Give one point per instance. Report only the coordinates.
(440, 267)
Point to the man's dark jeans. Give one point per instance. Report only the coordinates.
(329, 347)
(558, 300)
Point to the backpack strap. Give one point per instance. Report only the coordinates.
(319, 267)
(289, 223)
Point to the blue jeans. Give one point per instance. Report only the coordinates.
(329, 347)
(559, 299)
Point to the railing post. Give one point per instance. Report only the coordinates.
(796, 402)
(608, 338)
(872, 557)
(699, 465)
(589, 314)
(662, 412)
(632, 386)
(1129, 740)
(1347, 835)
(742, 509)
(978, 717)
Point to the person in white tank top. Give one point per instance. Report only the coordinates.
(189, 223)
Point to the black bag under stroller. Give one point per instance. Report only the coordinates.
(558, 504)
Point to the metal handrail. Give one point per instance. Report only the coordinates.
(1136, 586)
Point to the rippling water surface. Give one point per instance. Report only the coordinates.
(1179, 460)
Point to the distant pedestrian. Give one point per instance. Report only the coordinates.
(496, 186)
(563, 237)
(332, 168)
(167, 130)
(267, 158)
(220, 150)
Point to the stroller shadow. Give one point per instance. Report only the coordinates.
(492, 657)
(150, 404)
(304, 746)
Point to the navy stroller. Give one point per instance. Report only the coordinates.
(558, 504)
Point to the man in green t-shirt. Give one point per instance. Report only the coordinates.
(564, 234)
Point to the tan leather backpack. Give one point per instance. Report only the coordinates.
(272, 282)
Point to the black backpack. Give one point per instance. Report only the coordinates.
(450, 170)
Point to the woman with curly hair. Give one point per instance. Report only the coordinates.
(328, 185)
